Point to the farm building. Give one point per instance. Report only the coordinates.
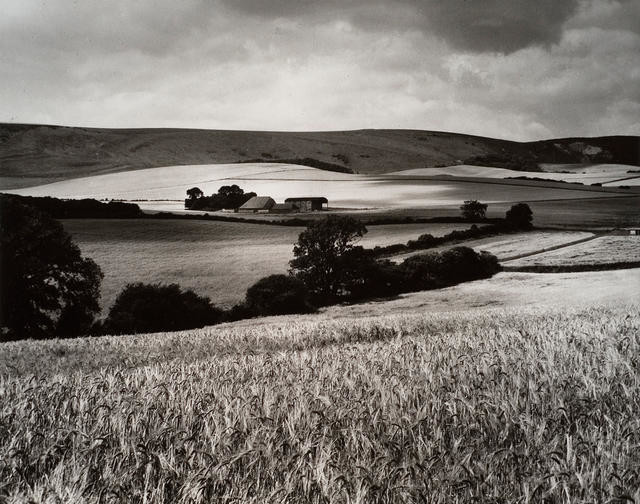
(309, 204)
(257, 204)
(284, 208)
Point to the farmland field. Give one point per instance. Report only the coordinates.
(503, 405)
(281, 181)
(610, 174)
(217, 259)
(505, 246)
(511, 290)
(602, 250)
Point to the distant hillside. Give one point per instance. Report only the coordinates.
(36, 154)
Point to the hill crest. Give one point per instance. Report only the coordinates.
(32, 154)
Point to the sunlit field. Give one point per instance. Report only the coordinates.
(281, 181)
(217, 259)
(514, 244)
(609, 174)
(522, 405)
(602, 250)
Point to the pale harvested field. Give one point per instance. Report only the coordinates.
(281, 181)
(608, 174)
(217, 259)
(508, 405)
(505, 246)
(602, 250)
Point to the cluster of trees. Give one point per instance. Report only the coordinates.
(49, 290)
(79, 209)
(227, 197)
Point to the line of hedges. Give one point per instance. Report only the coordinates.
(572, 268)
(427, 241)
(79, 209)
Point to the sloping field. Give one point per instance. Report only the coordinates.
(283, 181)
(606, 174)
(520, 404)
(36, 154)
(506, 246)
(217, 259)
(557, 291)
(602, 250)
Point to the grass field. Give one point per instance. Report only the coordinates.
(602, 250)
(217, 259)
(505, 246)
(521, 405)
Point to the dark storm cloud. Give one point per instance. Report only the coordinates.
(472, 25)
(503, 68)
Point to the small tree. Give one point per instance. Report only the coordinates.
(519, 216)
(47, 288)
(319, 255)
(277, 295)
(141, 308)
(473, 210)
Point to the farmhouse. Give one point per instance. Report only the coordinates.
(309, 204)
(257, 204)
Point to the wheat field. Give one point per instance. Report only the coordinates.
(522, 405)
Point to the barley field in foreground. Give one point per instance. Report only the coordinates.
(527, 405)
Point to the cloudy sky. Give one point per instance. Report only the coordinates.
(516, 69)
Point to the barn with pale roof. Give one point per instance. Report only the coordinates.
(258, 204)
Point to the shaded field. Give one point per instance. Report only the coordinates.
(217, 259)
(601, 250)
(526, 405)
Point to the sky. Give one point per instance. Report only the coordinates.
(514, 69)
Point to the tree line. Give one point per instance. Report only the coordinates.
(228, 196)
(49, 290)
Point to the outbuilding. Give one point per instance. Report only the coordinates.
(309, 204)
(257, 204)
(284, 208)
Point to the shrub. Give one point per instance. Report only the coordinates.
(440, 269)
(141, 308)
(278, 295)
(519, 216)
(473, 210)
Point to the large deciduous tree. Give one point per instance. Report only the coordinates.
(47, 288)
(322, 252)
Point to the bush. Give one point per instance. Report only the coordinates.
(474, 210)
(441, 269)
(519, 216)
(142, 308)
(278, 295)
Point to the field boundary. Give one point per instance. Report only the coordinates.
(572, 268)
(555, 247)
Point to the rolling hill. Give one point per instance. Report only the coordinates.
(36, 154)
